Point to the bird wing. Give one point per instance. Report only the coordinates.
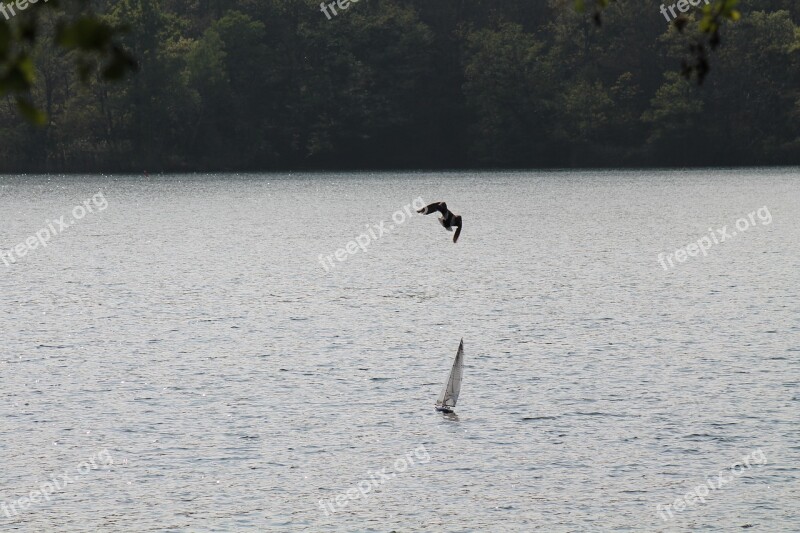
(441, 207)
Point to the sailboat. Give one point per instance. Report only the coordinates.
(449, 396)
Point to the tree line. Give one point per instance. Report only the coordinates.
(245, 85)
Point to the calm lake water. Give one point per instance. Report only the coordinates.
(185, 359)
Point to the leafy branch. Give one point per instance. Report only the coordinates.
(93, 41)
(709, 25)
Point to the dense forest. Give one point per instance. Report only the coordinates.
(385, 84)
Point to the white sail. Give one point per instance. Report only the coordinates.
(452, 388)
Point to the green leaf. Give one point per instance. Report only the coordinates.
(5, 39)
(86, 34)
(31, 112)
(19, 77)
(121, 62)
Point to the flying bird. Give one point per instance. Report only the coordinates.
(448, 219)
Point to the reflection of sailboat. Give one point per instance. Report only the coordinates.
(449, 396)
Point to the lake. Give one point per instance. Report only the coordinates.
(189, 353)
